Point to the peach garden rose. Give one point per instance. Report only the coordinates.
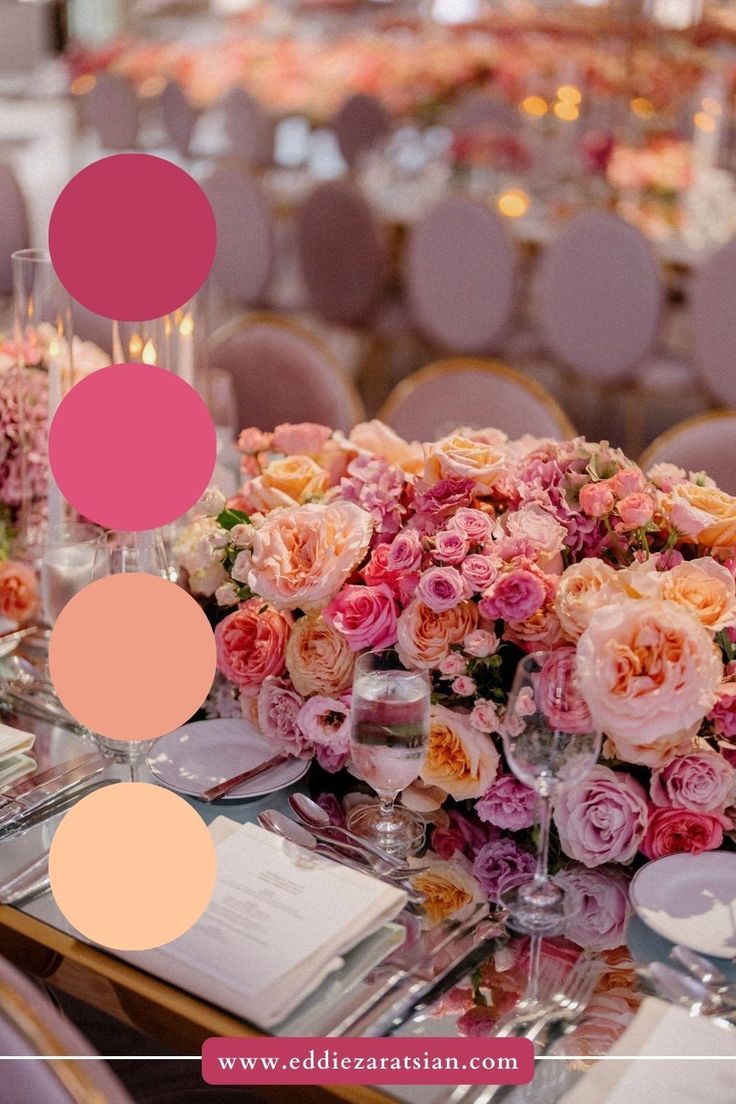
(425, 635)
(302, 555)
(459, 457)
(648, 671)
(250, 645)
(705, 514)
(460, 759)
(579, 593)
(318, 657)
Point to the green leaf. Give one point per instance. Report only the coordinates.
(228, 519)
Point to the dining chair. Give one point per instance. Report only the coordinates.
(180, 118)
(114, 111)
(472, 392)
(280, 372)
(245, 238)
(342, 255)
(713, 321)
(30, 1025)
(248, 128)
(703, 443)
(478, 110)
(361, 122)
(460, 276)
(14, 226)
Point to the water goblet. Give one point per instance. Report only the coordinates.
(388, 744)
(67, 566)
(550, 740)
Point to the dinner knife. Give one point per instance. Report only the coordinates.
(13, 819)
(20, 790)
(229, 784)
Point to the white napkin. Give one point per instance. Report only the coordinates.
(664, 1029)
(15, 762)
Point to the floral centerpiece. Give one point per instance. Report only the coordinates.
(462, 554)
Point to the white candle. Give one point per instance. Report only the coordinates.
(186, 349)
(118, 356)
(54, 500)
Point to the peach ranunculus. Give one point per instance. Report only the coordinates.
(649, 673)
(704, 587)
(251, 643)
(705, 514)
(458, 457)
(318, 657)
(425, 636)
(302, 555)
(449, 889)
(581, 591)
(378, 439)
(18, 592)
(460, 760)
(299, 477)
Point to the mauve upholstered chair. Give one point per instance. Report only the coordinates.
(474, 393)
(281, 372)
(14, 226)
(714, 323)
(114, 111)
(706, 443)
(460, 276)
(478, 110)
(361, 123)
(245, 240)
(30, 1025)
(599, 297)
(341, 254)
(248, 127)
(180, 118)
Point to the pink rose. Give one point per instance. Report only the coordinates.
(278, 709)
(484, 716)
(251, 644)
(507, 804)
(300, 439)
(648, 671)
(254, 440)
(635, 510)
(515, 596)
(475, 525)
(441, 588)
(596, 499)
(453, 664)
(723, 714)
(405, 551)
(449, 547)
(479, 572)
(461, 834)
(19, 600)
(702, 782)
(366, 616)
(480, 644)
(379, 570)
(599, 907)
(602, 818)
(671, 831)
(444, 497)
(558, 694)
(302, 555)
(463, 686)
(537, 526)
(325, 722)
(628, 481)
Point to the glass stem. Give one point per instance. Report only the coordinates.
(386, 803)
(535, 950)
(544, 815)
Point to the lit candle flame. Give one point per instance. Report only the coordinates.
(187, 325)
(148, 356)
(135, 347)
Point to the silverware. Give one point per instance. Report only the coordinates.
(222, 788)
(15, 702)
(686, 991)
(15, 816)
(318, 822)
(9, 641)
(20, 790)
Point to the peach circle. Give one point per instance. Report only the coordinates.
(132, 656)
(132, 866)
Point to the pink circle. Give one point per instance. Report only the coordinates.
(132, 237)
(132, 446)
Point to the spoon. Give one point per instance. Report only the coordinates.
(315, 817)
(274, 821)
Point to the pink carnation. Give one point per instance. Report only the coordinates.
(325, 722)
(278, 709)
(515, 596)
(365, 615)
(508, 803)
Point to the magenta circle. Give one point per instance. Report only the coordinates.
(132, 237)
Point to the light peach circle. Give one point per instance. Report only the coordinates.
(132, 866)
(132, 656)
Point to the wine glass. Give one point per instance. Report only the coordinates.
(550, 741)
(388, 744)
(119, 552)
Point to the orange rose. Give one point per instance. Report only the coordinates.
(299, 477)
(18, 592)
(449, 890)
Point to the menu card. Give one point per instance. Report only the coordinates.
(278, 923)
(15, 762)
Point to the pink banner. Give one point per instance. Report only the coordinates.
(271, 1061)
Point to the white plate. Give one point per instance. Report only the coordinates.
(690, 899)
(199, 755)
